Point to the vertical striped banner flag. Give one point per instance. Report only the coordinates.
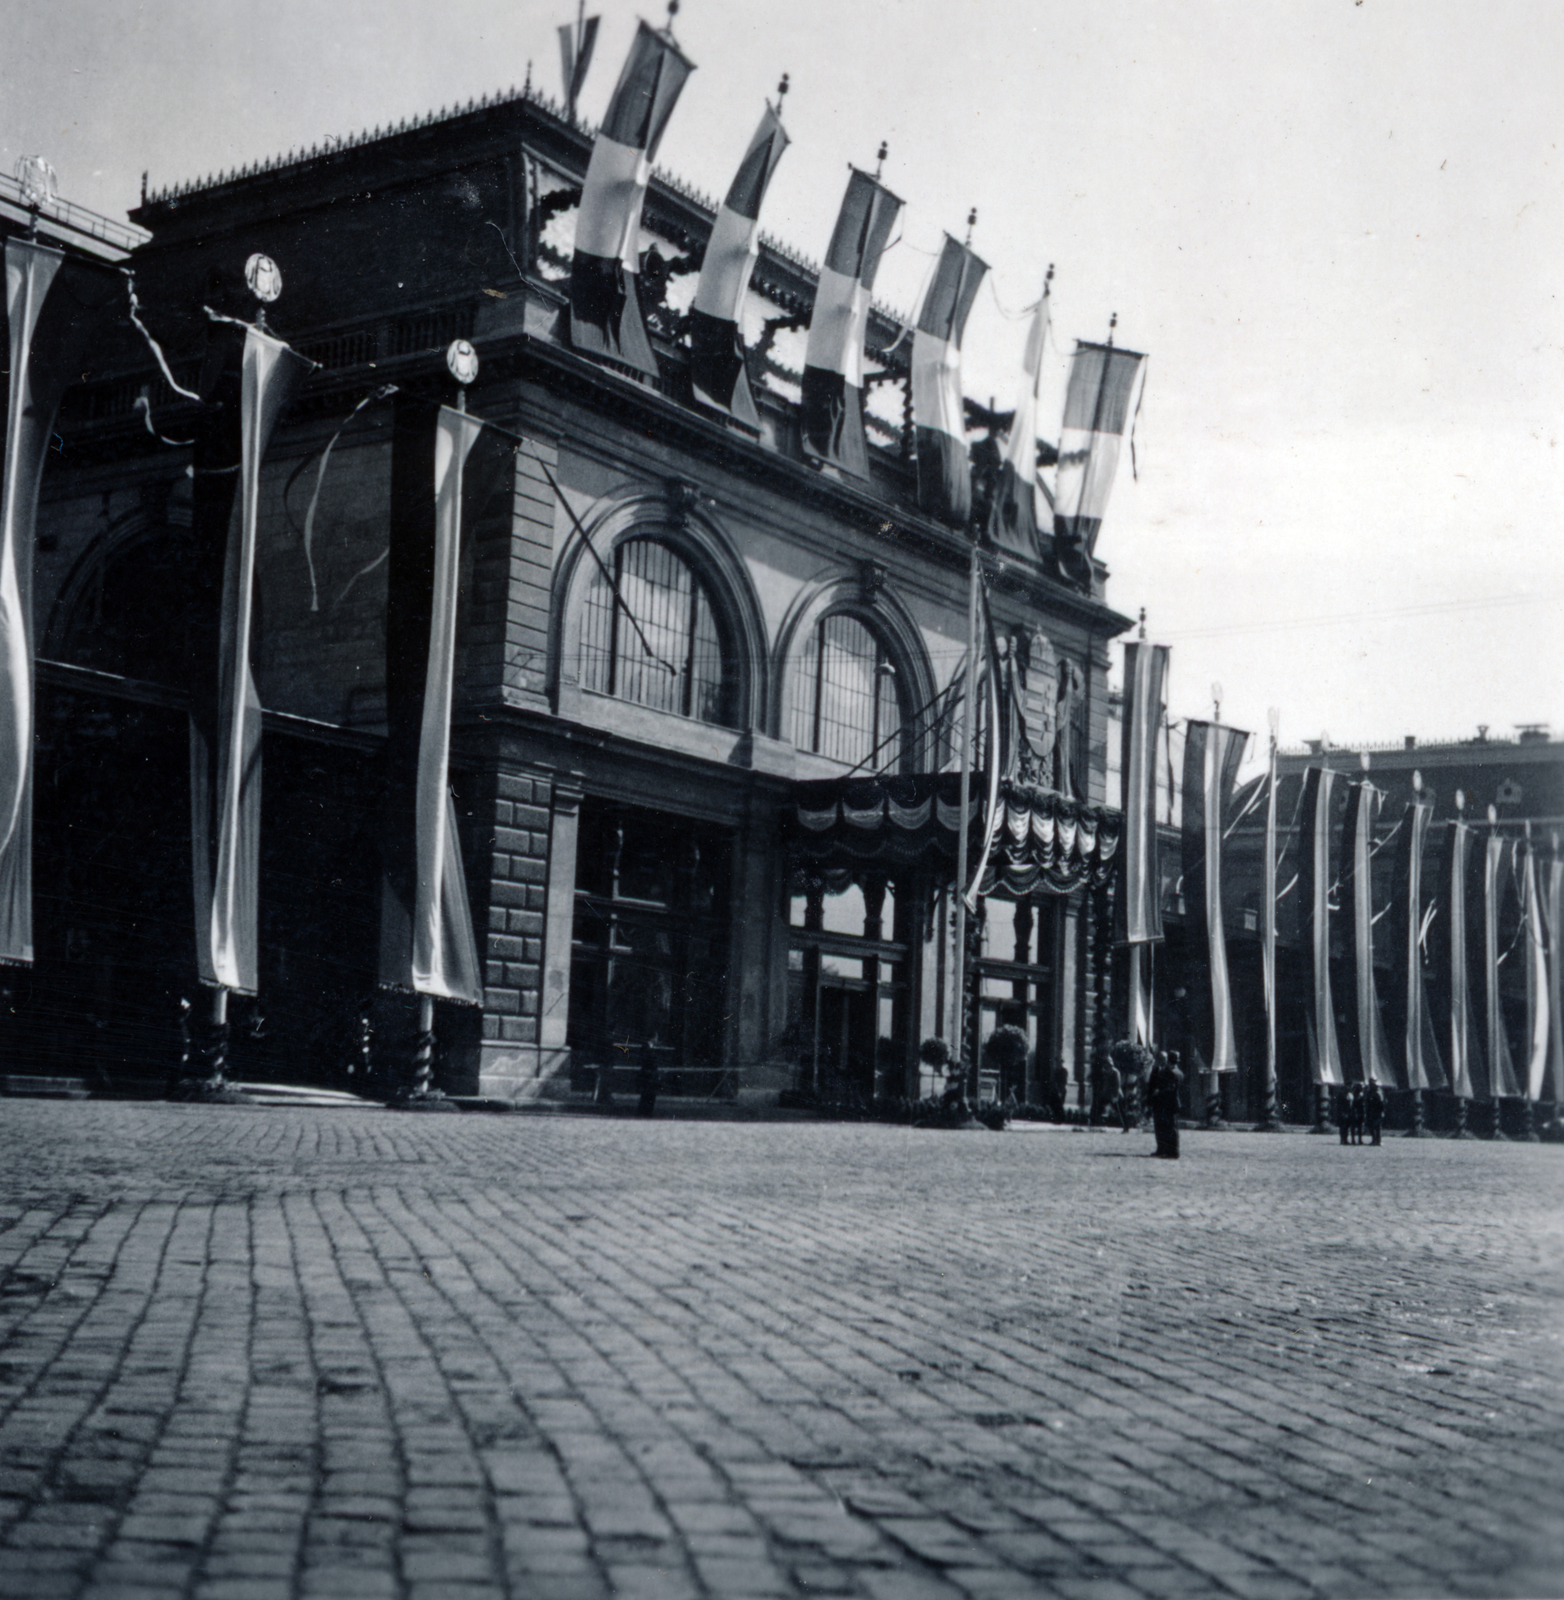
(1141, 1018)
(1268, 913)
(716, 345)
(226, 836)
(1502, 1083)
(54, 305)
(1145, 669)
(1464, 1048)
(576, 44)
(605, 308)
(1538, 1011)
(1097, 413)
(1408, 1002)
(832, 390)
(1015, 503)
(1553, 911)
(938, 415)
(446, 465)
(1315, 881)
(1211, 756)
(1368, 1028)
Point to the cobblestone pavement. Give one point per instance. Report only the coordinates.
(252, 1354)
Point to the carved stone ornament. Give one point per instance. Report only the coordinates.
(1038, 684)
(682, 498)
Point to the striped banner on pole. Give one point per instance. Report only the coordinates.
(1413, 1019)
(1145, 670)
(1315, 881)
(717, 371)
(227, 835)
(1097, 413)
(1502, 1083)
(446, 465)
(1538, 1009)
(1211, 756)
(605, 307)
(831, 409)
(54, 305)
(1015, 520)
(1464, 1049)
(1553, 912)
(1368, 1028)
(938, 414)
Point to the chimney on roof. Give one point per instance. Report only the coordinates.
(1409, 742)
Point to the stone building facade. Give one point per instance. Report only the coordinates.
(680, 644)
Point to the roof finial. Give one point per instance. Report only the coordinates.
(879, 160)
(971, 224)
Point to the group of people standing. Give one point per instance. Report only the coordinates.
(1163, 1083)
(1360, 1110)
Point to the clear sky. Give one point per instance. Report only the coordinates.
(1335, 225)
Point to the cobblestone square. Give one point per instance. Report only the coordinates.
(293, 1352)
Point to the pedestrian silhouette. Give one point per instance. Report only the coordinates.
(1162, 1086)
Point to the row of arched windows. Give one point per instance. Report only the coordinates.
(653, 633)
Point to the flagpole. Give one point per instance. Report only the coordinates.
(1269, 1123)
(423, 1088)
(968, 734)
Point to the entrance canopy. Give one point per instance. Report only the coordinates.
(1045, 842)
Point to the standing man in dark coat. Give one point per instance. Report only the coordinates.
(1355, 1112)
(1162, 1087)
(1058, 1089)
(1344, 1116)
(1110, 1090)
(1374, 1111)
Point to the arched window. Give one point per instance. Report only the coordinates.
(652, 635)
(847, 698)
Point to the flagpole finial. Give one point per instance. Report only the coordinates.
(1216, 702)
(879, 160)
(673, 11)
(1273, 716)
(1363, 759)
(1417, 783)
(1460, 799)
(971, 223)
(1048, 277)
(1113, 322)
(1493, 815)
(1142, 609)
(782, 89)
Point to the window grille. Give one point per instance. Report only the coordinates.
(846, 700)
(658, 643)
